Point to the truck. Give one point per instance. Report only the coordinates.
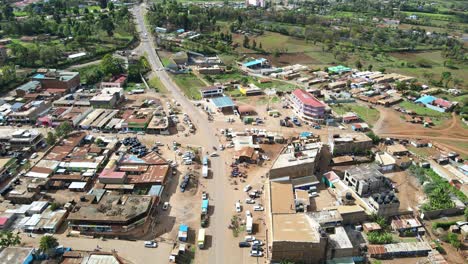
(205, 161)
(205, 171)
(204, 207)
(249, 225)
(201, 238)
(183, 233)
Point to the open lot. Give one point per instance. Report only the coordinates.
(190, 85)
(369, 115)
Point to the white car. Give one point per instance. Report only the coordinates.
(151, 244)
(34, 155)
(221, 147)
(165, 206)
(247, 188)
(141, 133)
(248, 213)
(257, 243)
(214, 154)
(238, 207)
(249, 201)
(256, 253)
(204, 196)
(249, 238)
(258, 208)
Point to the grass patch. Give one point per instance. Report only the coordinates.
(133, 86)
(369, 115)
(422, 152)
(165, 61)
(190, 84)
(156, 83)
(422, 110)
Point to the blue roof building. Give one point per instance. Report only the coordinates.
(223, 102)
(426, 99)
(16, 107)
(255, 63)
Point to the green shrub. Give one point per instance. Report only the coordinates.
(377, 237)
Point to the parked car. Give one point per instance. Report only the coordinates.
(151, 244)
(165, 206)
(257, 247)
(249, 201)
(258, 208)
(141, 133)
(256, 253)
(34, 155)
(249, 238)
(238, 207)
(257, 243)
(244, 244)
(204, 196)
(247, 188)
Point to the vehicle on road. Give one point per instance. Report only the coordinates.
(258, 208)
(201, 238)
(204, 196)
(238, 207)
(141, 133)
(247, 188)
(249, 238)
(256, 253)
(214, 154)
(165, 206)
(244, 244)
(34, 155)
(151, 244)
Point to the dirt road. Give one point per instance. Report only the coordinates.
(390, 124)
(208, 139)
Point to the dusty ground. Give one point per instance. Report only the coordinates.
(409, 190)
(451, 134)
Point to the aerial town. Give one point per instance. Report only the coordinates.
(164, 131)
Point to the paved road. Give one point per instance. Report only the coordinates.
(219, 221)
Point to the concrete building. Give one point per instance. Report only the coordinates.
(112, 215)
(211, 91)
(307, 107)
(366, 180)
(30, 112)
(296, 160)
(108, 98)
(29, 87)
(296, 237)
(56, 81)
(350, 143)
(22, 139)
(17, 255)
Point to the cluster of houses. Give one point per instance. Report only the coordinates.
(99, 178)
(53, 97)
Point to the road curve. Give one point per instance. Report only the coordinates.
(219, 182)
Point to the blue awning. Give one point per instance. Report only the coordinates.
(222, 102)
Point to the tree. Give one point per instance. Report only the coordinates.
(103, 3)
(369, 68)
(254, 44)
(51, 138)
(107, 25)
(8, 238)
(54, 206)
(260, 46)
(374, 137)
(358, 64)
(64, 129)
(48, 243)
(111, 66)
(246, 41)
(447, 77)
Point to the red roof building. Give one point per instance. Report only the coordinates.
(307, 107)
(442, 103)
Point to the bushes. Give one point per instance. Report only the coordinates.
(444, 225)
(377, 237)
(452, 239)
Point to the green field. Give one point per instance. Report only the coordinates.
(368, 115)
(156, 84)
(190, 84)
(422, 110)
